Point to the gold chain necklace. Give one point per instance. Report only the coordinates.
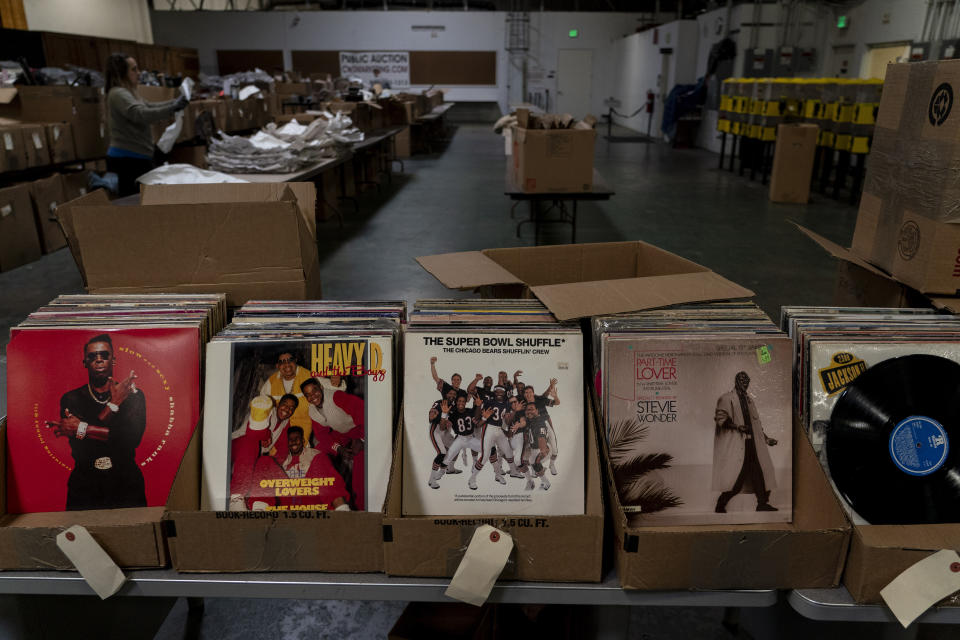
(94, 396)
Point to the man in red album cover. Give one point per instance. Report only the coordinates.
(104, 421)
(338, 431)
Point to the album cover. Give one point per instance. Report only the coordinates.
(298, 424)
(99, 418)
(493, 422)
(699, 427)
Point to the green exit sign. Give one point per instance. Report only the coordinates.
(842, 22)
(574, 33)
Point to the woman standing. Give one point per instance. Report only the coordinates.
(131, 144)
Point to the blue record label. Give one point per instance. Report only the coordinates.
(919, 445)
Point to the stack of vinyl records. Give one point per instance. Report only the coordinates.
(493, 410)
(103, 394)
(696, 406)
(299, 407)
(878, 391)
(480, 312)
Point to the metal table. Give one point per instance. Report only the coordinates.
(556, 201)
(837, 605)
(369, 586)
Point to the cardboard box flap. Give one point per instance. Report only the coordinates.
(304, 193)
(466, 270)
(842, 254)
(8, 95)
(65, 217)
(600, 297)
(934, 536)
(559, 264)
(949, 304)
(188, 244)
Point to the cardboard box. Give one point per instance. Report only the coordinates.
(908, 219)
(35, 145)
(255, 541)
(196, 239)
(580, 280)
(553, 160)
(403, 143)
(807, 553)
(47, 194)
(216, 108)
(19, 243)
(60, 142)
(133, 538)
(920, 252)
(81, 107)
(546, 548)
(860, 284)
(13, 152)
(183, 154)
(74, 184)
(879, 553)
(9, 103)
(793, 158)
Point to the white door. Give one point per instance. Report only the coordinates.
(574, 81)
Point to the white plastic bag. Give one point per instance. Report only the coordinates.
(171, 133)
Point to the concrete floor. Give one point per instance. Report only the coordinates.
(453, 201)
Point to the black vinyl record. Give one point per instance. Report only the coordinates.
(893, 445)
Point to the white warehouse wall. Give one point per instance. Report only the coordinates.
(208, 31)
(121, 19)
(640, 65)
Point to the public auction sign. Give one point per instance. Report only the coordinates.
(393, 67)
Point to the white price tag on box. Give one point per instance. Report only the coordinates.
(93, 563)
(923, 585)
(485, 558)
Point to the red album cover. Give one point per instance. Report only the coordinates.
(98, 418)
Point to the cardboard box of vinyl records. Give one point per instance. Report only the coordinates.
(134, 538)
(909, 222)
(806, 553)
(263, 541)
(546, 548)
(202, 238)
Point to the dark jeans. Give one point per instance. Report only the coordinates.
(751, 472)
(128, 170)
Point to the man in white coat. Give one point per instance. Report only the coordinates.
(741, 461)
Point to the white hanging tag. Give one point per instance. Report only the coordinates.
(485, 558)
(93, 563)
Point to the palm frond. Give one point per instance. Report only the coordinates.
(624, 438)
(640, 464)
(649, 496)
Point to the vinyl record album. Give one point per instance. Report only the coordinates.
(893, 440)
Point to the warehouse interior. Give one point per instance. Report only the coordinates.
(736, 135)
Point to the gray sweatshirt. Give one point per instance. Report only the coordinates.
(130, 118)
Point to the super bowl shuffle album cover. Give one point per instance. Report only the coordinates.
(493, 421)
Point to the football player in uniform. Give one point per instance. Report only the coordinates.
(515, 426)
(493, 437)
(441, 436)
(548, 399)
(442, 385)
(464, 423)
(481, 393)
(537, 447)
